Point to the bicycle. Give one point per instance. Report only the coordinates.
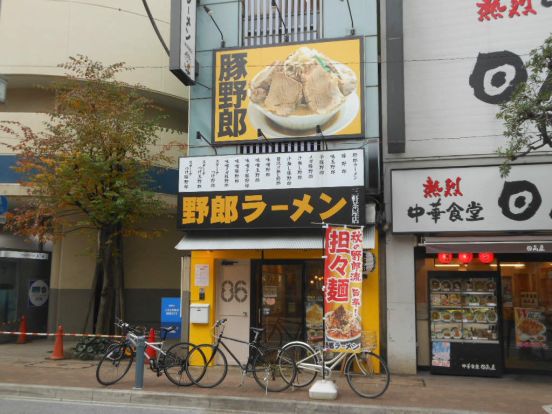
(117, 360)
(263, 363)
(366, 372)
(280, 331)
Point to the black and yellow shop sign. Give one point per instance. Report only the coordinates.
(289, 91)
(298, 208)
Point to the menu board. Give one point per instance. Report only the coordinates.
(342, 288)
(530, 328)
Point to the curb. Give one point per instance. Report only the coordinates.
(206, 402)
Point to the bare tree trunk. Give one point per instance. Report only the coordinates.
(107, 295)
(93, 289)
(119, 274)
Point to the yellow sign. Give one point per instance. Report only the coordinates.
(286, 91)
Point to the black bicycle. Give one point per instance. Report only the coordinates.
(118, 358)
(208, 366)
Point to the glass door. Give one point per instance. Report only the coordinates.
(289, 301)
(281, 302)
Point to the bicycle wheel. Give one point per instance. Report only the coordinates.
(367, 374)
(305, 363)
(114, 364)
(207, 366)
(175, 364)
(270, 371)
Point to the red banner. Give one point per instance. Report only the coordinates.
(343, 288)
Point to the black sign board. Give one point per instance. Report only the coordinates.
(265, 209)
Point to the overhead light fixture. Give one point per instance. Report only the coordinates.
(275, 6)
(199, 136)
(446, 265)
(3, 89)
(351, 16)
(514, 265)
(260, 135)
(210, 14)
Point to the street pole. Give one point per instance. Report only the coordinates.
(140, 348)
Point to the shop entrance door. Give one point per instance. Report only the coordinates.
(289, 300)
(233, 303)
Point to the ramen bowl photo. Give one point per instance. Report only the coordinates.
(342, 325)
(304, 91)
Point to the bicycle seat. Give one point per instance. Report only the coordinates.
(256, 329)
(169, 329)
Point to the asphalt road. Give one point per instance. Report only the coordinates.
(14, 405)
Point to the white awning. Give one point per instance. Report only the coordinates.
(496, 244)
(262, 240)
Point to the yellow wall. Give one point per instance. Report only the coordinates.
(201, 333)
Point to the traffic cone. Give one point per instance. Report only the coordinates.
(150, 352)
(22, 339)
(58, 345)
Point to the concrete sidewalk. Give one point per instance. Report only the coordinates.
(25, 371)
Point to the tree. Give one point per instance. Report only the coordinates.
(527, 115)
(91, 167)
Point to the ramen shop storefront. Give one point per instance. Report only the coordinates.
(273, 288)
(254, 235)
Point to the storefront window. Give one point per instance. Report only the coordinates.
(527, 314)
(526, 306)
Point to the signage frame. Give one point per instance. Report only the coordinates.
(361, 96)
(463, 231)
(355, 190)
(180, 11)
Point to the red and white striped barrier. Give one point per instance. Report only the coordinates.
(53, 334)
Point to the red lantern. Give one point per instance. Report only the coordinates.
(465, 258)
(486, 257)
(444, 258)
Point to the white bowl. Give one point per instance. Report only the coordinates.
(298, 122)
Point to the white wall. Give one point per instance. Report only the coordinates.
(401, 306)
(37, 35)
(441, 46)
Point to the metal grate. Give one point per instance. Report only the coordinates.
(262, 23)
(277, 147)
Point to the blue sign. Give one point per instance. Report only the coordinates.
(3, 204)
(170, 315)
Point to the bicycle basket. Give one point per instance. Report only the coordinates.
(369, 340)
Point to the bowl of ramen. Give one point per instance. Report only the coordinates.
(446, 285)
(342, 325)
(456, 333)
(304, 90)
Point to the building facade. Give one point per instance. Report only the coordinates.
(468, 253)
(36, 37)
(267, 166)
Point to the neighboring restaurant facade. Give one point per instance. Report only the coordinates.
(275, 160)
(468, 252)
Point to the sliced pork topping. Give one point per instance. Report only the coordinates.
(321, 90)
(284, 95)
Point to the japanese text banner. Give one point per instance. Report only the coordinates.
(298, 208)
(288, 91)
(343, 288)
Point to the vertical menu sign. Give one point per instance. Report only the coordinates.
(183, 40)
(343, 288)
